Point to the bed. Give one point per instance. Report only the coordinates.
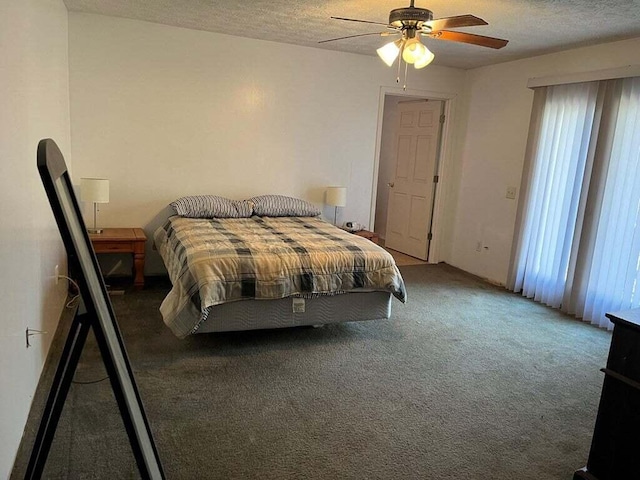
(257, 271)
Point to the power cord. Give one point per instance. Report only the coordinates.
(72, 303)
(90, 381)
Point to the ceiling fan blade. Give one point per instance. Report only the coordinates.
(361, 21)
(455, 22)
(480, 40)
(382, 34)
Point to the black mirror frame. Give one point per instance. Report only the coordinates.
(95, 311)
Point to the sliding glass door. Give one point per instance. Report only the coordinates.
(577, 243)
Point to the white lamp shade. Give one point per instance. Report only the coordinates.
(337, 196)
(95, 190)
(425, 60)
(413, 50)
(389, 52)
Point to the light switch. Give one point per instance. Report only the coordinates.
(511, 193)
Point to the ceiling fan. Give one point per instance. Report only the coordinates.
(410, 23)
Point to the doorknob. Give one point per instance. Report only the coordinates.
(391, 184)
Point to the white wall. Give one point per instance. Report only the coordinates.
(492, 152)
(164, 112)
(34, 104)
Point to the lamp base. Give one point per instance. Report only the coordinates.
(94, 230)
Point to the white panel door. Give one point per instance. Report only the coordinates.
(411, 191)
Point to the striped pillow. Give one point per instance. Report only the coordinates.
(281, 206)
(211, 206)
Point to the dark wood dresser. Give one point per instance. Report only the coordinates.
(615, 447)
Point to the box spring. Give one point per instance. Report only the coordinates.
(259, 314)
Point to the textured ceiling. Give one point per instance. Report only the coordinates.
(532, 27)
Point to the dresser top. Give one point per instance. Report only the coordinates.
(630, 318)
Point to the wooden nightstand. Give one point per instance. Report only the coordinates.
(373, 236)
(123, 240)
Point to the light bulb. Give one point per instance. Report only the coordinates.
(413, 50)
(389, 52)
(425, 60)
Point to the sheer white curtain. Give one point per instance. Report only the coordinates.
(555, 184)
(613, 271)
(577, 243)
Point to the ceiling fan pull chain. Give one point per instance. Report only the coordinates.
(406, 72)
(399, 62)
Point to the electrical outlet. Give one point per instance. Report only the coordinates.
(511, 193)
(57, 273)
(478, 246)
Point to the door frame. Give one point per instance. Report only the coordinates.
(446, 148)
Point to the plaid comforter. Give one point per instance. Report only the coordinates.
(213, 261)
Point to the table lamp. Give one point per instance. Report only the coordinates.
(95, 190)
(336, 197)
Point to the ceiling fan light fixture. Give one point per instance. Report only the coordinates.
(425, 60)
(413, 50)
(411, 22)
(389, 52)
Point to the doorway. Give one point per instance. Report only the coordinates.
(408, 175)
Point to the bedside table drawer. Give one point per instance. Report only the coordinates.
(123, 240)
(113, 247)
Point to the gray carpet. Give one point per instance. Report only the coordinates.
(466, 381)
